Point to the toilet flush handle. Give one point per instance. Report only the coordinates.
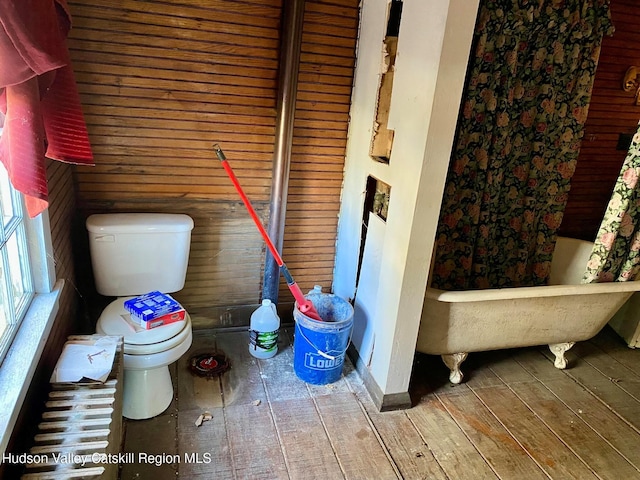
(105, 238)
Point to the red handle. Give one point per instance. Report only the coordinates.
(252, 212)
(304, 305)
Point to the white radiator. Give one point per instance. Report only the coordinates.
(80, 435)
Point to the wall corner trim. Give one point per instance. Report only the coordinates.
(383, 402)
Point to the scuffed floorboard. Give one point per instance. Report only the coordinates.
(516, 416)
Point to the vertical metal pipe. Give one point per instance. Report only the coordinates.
(293, 17)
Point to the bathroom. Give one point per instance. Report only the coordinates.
(152, 125)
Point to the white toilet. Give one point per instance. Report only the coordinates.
(133, 254)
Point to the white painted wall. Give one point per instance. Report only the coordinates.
(365, 322)
(433, 49)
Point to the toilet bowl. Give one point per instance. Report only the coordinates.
(148, 390)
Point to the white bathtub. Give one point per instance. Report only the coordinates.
(454, 324)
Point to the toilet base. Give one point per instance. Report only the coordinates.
(147, 393)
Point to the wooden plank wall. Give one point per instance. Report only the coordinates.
(612, 111)
(61, 218)
(327, 61)
(161, 81)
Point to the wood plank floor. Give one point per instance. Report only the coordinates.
(515, 417)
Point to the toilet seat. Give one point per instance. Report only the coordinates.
(116, 320)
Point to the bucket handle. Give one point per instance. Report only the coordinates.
(320, 352)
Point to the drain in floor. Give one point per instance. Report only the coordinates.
(209, 364)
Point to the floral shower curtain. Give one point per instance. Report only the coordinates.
(616, 250)
(526, 101)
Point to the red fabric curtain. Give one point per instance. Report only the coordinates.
(39, 101)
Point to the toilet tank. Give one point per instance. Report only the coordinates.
(136, 253)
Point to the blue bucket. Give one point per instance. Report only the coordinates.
(319, 347)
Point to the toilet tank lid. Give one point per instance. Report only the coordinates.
(138, 222)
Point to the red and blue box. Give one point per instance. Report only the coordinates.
(154, 309)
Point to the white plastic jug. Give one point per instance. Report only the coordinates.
(263, 332)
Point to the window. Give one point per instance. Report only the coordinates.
(16, 282)
(28, 300)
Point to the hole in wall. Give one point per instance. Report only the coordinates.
(376, 201)
(382, 137)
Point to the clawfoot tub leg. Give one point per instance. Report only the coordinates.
(559, 349)
(453, 362)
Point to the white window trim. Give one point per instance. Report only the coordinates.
(19, 364)
(43, 269)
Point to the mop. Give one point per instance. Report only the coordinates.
(305, 306)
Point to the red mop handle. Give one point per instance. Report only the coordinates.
(304, 305)
(247, 204)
